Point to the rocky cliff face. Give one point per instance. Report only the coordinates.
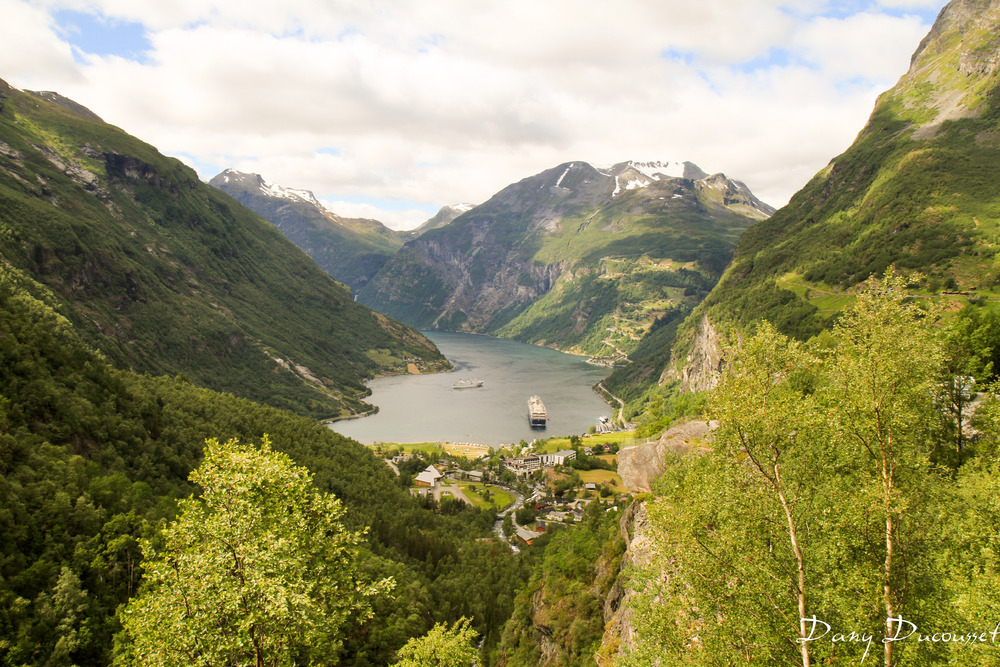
(619, 632)
(959, 59)
(702, 364)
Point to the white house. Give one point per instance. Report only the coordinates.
(524, 464)
(429, 477)
(558, 458)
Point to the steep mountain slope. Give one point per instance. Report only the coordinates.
(440, 219)
(577, 257)
(917, 190)
(352, 250)
(167, 275)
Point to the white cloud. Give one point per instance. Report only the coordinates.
(439, 101)
(32, 49)
(875, 46)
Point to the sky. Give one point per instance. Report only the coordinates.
(392, 109)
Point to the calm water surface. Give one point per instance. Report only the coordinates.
(425, 408)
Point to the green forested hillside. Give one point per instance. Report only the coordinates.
(558, 616)
(94, 458)
(164, 274)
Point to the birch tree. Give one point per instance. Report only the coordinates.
(766, 410)
(880, 402)
(441, 647)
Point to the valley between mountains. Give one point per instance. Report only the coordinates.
(813, 392)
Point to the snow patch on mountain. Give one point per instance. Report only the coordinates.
(257, 182)
(633, 175)
(291, 194)
(658, 170)
(559, 182)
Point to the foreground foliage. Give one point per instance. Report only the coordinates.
(441, 647)
(94, 460)
(821, 508)
(258, 570)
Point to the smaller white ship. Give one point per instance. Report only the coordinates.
(467, 384)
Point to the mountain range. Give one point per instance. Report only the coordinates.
(352, 250)
(577, 257)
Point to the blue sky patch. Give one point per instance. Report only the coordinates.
(677, 55)
(776, 57)
(101, 36)
(206, 170)
(392, 204)
(844, 9)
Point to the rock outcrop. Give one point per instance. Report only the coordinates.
(704, 361)
(640, 465)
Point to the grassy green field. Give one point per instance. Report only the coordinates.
(410, 447)
(474, 491)
(834, 299)
(603, 476)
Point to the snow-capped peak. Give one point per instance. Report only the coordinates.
(257, 182)
(631, 175)
(291, 194)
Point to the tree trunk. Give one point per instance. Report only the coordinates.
(800, 566)
(887, 483)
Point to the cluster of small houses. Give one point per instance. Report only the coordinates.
(430, 476)
(557, 512)
(429, 481)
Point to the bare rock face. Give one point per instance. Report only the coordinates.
(619, 632)
(639, 466)
(953, 70)
(704, 361)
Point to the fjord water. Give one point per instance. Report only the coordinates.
(425, 408)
